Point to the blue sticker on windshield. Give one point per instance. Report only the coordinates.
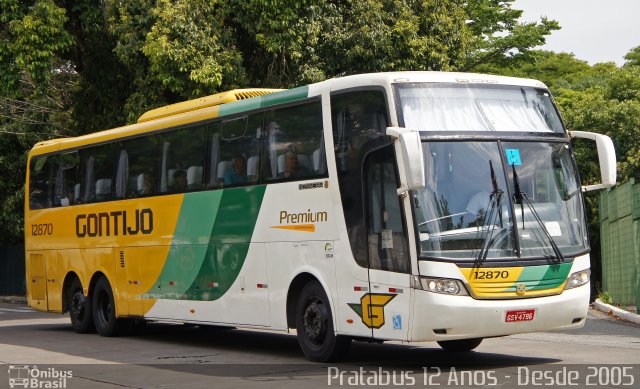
(513, 157)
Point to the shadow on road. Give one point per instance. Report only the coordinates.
(245, 354)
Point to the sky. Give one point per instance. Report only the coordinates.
(594, 30)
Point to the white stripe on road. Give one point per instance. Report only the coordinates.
(33, 322)
(20, 355)
(20, 310)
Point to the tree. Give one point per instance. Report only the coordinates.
(70, 67)
(633, 57)
(498, 37)
(34, 95)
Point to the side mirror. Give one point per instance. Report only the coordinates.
(606, 158)
(410, 157)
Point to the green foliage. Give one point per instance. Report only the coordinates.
(395, 35)
(189, 49)
(633, 57)
(32, 35)
(606, 298)
(34, 95)
(498, 38)
(69, 67)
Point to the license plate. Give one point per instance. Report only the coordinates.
(521, 315)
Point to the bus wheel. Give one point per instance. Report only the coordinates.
(79, 308)
(460, 344)
(104, 309)
(314, 325)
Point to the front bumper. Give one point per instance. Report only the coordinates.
(443, 317)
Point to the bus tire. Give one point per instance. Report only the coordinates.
(314, 325)
(460, 344)
(79, 307)
(104, 310)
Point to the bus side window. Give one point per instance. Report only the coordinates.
(295, 146)
(239, 151)
(41, 182)
(65, 180)
(182, 160)
(213, 154)
(97, 165)
(135, 175)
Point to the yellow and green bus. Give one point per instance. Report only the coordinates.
(411, 206)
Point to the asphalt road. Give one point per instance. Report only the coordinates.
(605, 353)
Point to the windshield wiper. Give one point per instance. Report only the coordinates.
(521, 197)
(495, 198)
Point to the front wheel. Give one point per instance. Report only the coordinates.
(314, 325)
(104, 310)
(460, 344)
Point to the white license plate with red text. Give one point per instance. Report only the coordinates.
(519, 315)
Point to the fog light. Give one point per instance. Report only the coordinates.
(578, 279)
(441, 285)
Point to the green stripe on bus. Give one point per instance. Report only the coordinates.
(542, 277)
(210, 244)
(196, 219)
(285, 96)
(229, 243)
(240, 106)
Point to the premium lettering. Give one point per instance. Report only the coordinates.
(114, 223)
(303, 217)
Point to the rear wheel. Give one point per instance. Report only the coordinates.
(314, 324)
(104, 310)
(460, 344)
(79, 307)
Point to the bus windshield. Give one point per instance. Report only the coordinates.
(499, 200)
(461, 107)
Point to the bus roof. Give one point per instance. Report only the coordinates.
(203, 102)
(239, 100)
(390, 78)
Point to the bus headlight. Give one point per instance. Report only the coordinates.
(578, 278)
(448, 286)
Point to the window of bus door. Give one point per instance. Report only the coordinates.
(359, 120)
(388, 248)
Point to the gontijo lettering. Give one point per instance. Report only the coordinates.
(114, 223)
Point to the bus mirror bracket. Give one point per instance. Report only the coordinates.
(411, 155)
(606, 158)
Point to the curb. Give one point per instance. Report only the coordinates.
(614, 311)
(13, 300)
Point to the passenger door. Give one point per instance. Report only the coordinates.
(388, 307)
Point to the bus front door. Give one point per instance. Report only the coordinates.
(388, 306)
